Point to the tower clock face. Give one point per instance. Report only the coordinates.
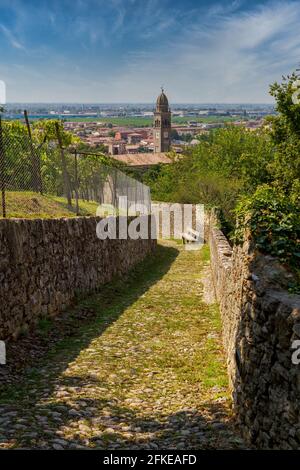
(157, 135)
(166, 134)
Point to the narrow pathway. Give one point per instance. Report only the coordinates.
(146, 372)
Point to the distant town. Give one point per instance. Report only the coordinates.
(128, 128)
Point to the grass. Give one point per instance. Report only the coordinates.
(205, 254)
(31, 205)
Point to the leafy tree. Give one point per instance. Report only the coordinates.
(285, 133)
(175, 135)
(272, 213)
(99, 148)
(188, 137)
(18, 164)
(228, 163)
(54, 176)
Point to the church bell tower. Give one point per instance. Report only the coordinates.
(162, 124)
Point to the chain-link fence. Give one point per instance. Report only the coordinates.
(41, 177)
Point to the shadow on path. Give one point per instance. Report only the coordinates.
(52, 407)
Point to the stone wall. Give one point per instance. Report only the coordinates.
(260, 322)
(45, 264)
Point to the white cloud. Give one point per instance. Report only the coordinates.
(232, 60)
(11, 38)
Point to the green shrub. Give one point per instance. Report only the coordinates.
(273, 220)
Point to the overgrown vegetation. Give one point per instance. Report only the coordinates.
(274, 220)
(217, 171)
(34, 205)
(47, 165)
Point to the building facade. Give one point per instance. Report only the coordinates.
(162, 124)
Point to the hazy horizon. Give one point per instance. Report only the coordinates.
(132, 103)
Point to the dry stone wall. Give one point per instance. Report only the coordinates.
(45, 264)
(261, 320)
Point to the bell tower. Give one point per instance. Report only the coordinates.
(162, 124)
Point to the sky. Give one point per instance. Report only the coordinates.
(104, 51)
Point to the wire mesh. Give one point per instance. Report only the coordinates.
(46, 180)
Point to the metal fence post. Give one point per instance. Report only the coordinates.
(2, 171)
(35, 160)
(67, 187)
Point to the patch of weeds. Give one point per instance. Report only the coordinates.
(205, 254)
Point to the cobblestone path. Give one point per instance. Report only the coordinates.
(147, 371)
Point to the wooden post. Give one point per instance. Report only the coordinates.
(66, 180)
(35, 160)
(2, 171)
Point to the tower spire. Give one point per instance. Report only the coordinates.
(162, 124)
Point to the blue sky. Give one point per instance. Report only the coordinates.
(123, 50)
